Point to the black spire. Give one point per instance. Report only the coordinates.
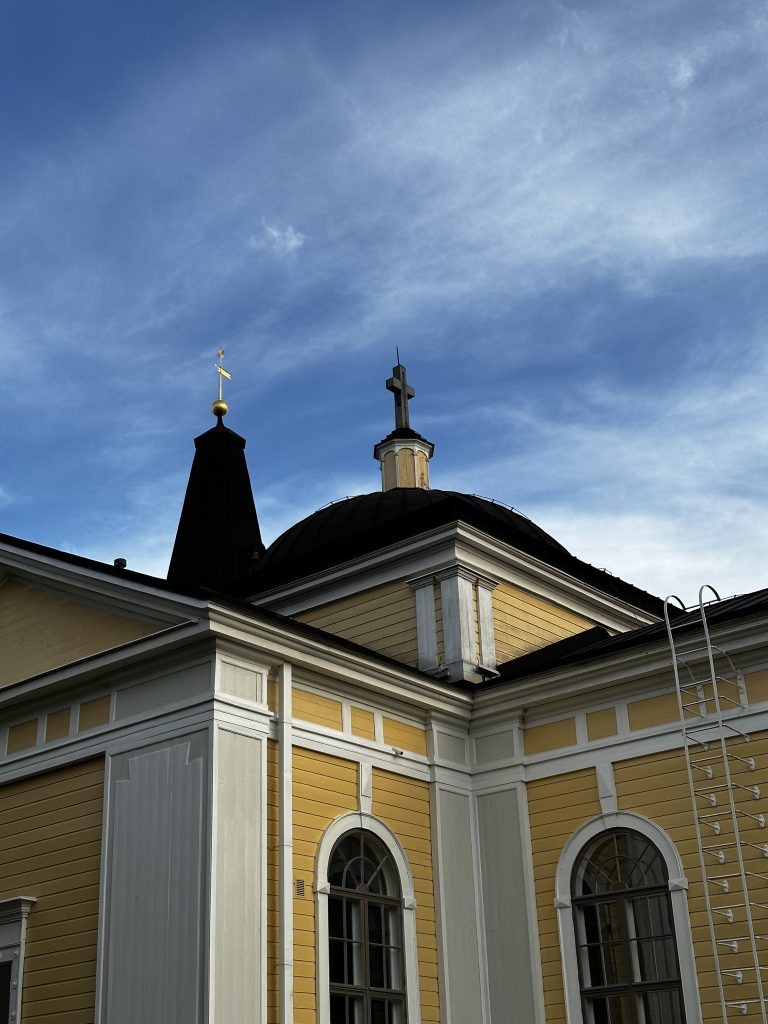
(218, 537)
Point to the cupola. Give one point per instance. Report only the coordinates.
(403, 454)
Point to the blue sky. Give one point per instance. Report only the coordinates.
(557, 211)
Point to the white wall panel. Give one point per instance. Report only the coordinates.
(239, 889)
(506, 913)
(458, 909)
(154, 949)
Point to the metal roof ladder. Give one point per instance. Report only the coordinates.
(731, 835)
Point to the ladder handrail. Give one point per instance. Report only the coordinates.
(724, 756)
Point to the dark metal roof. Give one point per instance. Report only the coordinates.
(359, 525)
(218, 537)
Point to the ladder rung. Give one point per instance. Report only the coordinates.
(737, 874)
(719, 787)
(695, 705)
(759, 818)
(730, 700)
(736, 973)
(748, 761)
(716, 852)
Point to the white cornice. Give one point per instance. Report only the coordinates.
(97, 665)
(630, 672)
(349, 666)
(494, 558)
(442, 548)
(121, 595)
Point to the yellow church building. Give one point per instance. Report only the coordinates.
(413, 763)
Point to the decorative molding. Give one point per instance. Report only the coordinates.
(606, 787)
(678, 897)
(338, 828)
(13, 929)
(364, 787)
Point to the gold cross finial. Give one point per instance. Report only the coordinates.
(220, 407)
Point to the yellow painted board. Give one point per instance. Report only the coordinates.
(93, 713)
(601, 724)
(363, 723)
(41, 630)
(57, 725)
(644, 714)
(407, 737)
(61, 932)
(312, 707)
(539, 739)
(757, 686)
(22, 736)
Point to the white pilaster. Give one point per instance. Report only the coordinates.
(285, 755)
(456, 586)
(426, 624)
(486, 633)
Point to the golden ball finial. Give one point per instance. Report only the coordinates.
(219, 407)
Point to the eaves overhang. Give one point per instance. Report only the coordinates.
(627, 672)
(129, 655)
(135, 594)
(346, 662)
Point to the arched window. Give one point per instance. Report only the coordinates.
(625, 933)
(366, 970)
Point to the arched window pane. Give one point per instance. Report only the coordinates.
(627, 954)
(365, 933)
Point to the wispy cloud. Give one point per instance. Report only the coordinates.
(283, 240)
(560, 211)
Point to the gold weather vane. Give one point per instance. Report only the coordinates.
(220, 407)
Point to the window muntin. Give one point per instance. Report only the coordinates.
(625, 938)
(365, 933)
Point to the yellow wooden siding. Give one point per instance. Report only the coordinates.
(93, 713)
(400, 802)
(404, 736)
(601, 724)
(312, 707)
(41, 630)
(656, 786)
(323, 788)
(757, 686)
(50, 848)
(57, 725)
(556, 807)
(22, 736)
(403, 805)
(523, 622)
(643, 714)
(363, 723)
(383, 619)
(273, 882)
(551, 736)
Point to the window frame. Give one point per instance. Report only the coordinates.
(13, 930)
(356, 822)
(678, 891)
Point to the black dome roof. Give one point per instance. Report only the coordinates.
(356, 526)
